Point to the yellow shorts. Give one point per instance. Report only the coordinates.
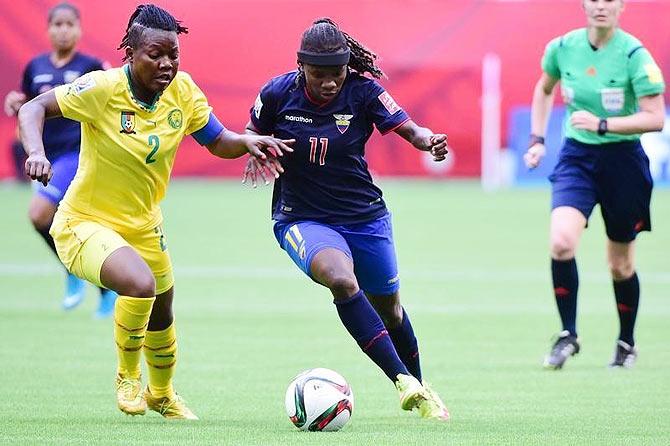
(84, 245)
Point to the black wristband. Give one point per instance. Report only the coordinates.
(602, 126)
(535, 139)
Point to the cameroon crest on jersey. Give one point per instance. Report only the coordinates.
(175, 118)
(127, 122)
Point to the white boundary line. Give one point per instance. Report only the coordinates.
(273, 273)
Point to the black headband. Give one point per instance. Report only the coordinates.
(324, 59)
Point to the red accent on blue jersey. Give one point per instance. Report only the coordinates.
(326, 178)
(60, 135)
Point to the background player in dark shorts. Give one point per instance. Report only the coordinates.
(613, 92)
(61, 136)
(329, 216)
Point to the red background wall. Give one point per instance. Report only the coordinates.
(430, 49)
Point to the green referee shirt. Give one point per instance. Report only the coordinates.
(605, 82)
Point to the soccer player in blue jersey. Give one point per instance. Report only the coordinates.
(613, 91)
(329, 216)
(61, 136)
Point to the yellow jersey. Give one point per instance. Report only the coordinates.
(127, 146)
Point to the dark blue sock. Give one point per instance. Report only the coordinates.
(566, 284)
(627, 294)
(405, 344)
(364, 325)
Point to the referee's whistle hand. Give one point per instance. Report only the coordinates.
(534, 155)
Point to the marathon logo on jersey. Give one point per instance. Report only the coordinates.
(388, 102)
(613, 99)
(298, 119)
(127, 122)
(80, 85)
(41, 78)
(342, 122)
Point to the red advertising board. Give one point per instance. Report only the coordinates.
(431, 51)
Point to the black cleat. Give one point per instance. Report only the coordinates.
(565, 346)
(625, 355)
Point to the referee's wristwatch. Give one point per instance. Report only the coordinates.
(602, 126)
(535, 139)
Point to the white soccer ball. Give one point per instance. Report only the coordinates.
(319, 400)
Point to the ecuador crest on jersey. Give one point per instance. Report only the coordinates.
(342, 122)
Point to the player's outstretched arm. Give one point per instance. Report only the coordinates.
(260, 169)
(424, 139)
(31, 123)
(229, 144)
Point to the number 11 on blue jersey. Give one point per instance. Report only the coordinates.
(313, 142)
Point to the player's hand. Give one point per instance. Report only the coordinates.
(38, 168)
(259, 145)
(584, 120)
(13, 102)
(438, 147)
(534, 155)
(256, 168)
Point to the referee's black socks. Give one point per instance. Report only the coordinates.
(566, 284)
(627, 294)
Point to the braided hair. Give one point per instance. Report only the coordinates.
(324, 36)
(145, 17)
(63, 5)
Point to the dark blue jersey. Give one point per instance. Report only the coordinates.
(326, 178)
(60, 135)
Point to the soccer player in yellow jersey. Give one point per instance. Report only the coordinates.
(108, 227)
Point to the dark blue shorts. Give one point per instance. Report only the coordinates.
(615, 175)
(369, 245)
(64, 168)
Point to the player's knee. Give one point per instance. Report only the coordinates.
(341, 284)
(40, 218)
(621, 268)
(562, 246)
(143, 285)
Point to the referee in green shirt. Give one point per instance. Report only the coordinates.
(613, 91)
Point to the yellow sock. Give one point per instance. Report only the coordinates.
(131, 317)
(160, 352)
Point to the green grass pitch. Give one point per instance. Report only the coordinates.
(475, 280)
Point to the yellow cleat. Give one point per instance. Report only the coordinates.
(129, 396)
(411, 392)
(174, 409)
(433, 407)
